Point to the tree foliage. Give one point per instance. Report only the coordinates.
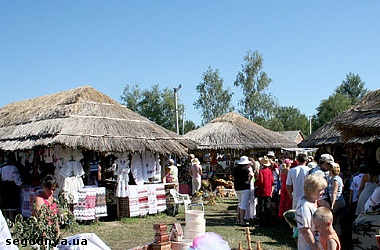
(330, 108)
(189, 125)
(257, 105)
(213, 100)
(155, 104)
(289, 118)
(348, 93)
(352, 87)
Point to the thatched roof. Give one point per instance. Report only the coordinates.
(362, 120)
(233, 131)
(84, 118)
(358, 125)
(325, 135)
(295, 136)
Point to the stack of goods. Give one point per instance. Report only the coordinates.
(161, 238)
(221, 191)
(224, 183)
(195, 224)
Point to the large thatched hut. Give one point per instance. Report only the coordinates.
(352, 135)
(362, 122)
(85, 134)
(326, 135)
(84, 118)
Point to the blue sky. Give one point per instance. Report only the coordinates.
(308, 46)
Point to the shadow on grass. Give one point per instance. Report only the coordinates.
(279, 236)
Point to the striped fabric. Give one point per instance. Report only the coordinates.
(146, 199)
(91, 203)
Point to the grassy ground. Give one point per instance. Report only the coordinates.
(220, 218)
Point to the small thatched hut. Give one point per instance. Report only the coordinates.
(84, 118)
(233, 131)
(231, 135)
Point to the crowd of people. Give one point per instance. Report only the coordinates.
(267, 189)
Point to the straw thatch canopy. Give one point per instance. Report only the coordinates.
(323, 136)
(233, 131)
(362, 121)
(358, 125)
(84, 118)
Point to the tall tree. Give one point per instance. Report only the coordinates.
(291, 119)
(257, 105)
(352, 87)
(330, 108)
(155, 104)
(131, 97)
(348, 93)
(189, 125)
(213, 100)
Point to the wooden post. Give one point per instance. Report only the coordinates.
(248, 234)
(258, 245)
(239, 246)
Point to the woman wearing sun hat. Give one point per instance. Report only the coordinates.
(242, 187)
(264, 186)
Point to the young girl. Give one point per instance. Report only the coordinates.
(328, 238)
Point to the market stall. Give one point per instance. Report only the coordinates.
(85, 138)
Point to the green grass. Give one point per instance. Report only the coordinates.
(220, 218)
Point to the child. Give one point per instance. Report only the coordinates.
(323, 220)
(314, 186)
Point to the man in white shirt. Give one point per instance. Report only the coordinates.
(295, 179)
(323, 168)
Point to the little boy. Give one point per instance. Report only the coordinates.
(328, 238)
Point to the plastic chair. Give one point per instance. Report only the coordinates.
(180, 199)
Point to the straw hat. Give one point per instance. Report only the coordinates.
(265, 161)
(195, 161)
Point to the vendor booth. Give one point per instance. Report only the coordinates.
(98, 150)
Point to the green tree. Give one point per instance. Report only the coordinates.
(131, 97)
(348, 93)
(189, 125)
(330, 108)
(289, 118)
(155, 104)
(352, 87)
(213, 100)
(257, 105)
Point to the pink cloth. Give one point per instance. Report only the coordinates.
(195, 171)
(52, 206)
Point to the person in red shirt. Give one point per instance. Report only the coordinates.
(264, 185)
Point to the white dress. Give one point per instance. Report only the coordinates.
(73, 172)
(122, 172)
(137, 169)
